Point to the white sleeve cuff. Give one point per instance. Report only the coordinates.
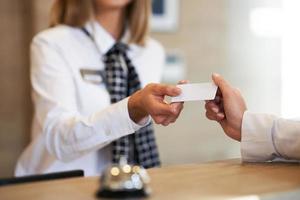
(118, 122)
(257, 144)
(142, 123)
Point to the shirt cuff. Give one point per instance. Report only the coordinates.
(115, 122)
(142, 123)
(257, 144)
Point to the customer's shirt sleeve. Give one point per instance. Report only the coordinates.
(267, 137)
(66, 134)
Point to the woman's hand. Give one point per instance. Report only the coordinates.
(150, 101)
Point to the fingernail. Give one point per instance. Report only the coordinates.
(216, 110)
(216, 74)
(221, 115)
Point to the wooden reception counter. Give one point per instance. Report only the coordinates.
(216, 180)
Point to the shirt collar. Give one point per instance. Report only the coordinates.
(103, 39)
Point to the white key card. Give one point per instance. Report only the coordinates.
(196, 92)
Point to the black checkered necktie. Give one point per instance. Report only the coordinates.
(122, 81)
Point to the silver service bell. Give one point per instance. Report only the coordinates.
(124, 181)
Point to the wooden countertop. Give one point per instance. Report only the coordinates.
(216, 180)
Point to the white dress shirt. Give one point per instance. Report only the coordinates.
(74, 122)
(267, 137)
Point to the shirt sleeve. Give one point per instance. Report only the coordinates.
(267, 137)
(66, 134)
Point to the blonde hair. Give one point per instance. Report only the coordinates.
(77, 12)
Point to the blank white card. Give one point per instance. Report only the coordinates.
(196, 92)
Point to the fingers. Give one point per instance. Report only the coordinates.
(165, 90)
(212, 106)
(161, 108)
(161, 111)
(214, 111)
(215, 116)
(166, 118)
(158, 119)
(178, 107)
(211, 116)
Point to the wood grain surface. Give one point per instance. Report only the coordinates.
(229, 179)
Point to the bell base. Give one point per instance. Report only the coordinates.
(104, 193)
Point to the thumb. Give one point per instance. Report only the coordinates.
(166, 90)
(221, 83)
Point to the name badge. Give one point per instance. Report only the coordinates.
(93, 76)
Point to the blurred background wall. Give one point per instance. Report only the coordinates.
(216, 36)
(201, 37)
(15, 106)
(213, 36)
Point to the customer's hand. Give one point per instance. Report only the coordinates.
(150, 101)
(228, 108)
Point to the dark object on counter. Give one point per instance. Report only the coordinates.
(41, 177)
